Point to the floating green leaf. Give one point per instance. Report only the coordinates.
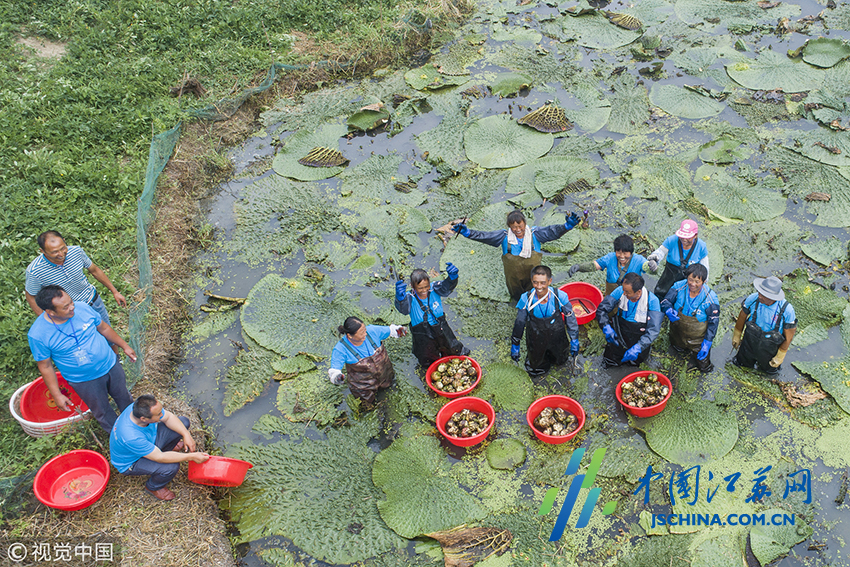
(317, 493)
(658, 176)
(594, 110)
(368, 119)
(214, 323)
(722, 151)
(499, 142)
(823, 52)
(733, 197)
(629, 108)
(509, 84)
(549, 175)
(627, 458)
(445, 142)
(300, 144)
(429, 78)
(247, 379)
(405, 399)
(372, 183)
(507, 386)
(420, 496)
(684, 102)
(594, 31)
(505, 454)
(742, 16)
(812, 303)
(770, 542)
(825, 250)
(775, 71)
(690, 432)
(397, 227)
(292, 366)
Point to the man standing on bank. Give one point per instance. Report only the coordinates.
(148, 440)
(768, 324)
(75, 338)
(63, 265)
(520, 246)
(636, 325)
(548, 316)
(680, 251)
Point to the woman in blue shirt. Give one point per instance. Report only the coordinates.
(365, 359)
(548, 316)
(616, 264)
(768, 324)
(680, 251)
(520, 246)
(694, 313)
(432, 336)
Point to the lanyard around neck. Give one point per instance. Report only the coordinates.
(73, 334)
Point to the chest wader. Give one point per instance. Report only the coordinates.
(629, 334)
(688, 333)
(518, 272)
(673, 274)
(369, 374)
(758, 346)
(546, 341)
(431, 342)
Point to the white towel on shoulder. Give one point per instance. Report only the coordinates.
(642, 306)
(526, 242)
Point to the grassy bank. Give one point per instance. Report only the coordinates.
(84, 85)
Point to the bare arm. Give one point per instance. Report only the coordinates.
(742, 319)
(48, 373)
(101, 276)
(789, 336)
(31, 300)
(173, 423)
(113, 337)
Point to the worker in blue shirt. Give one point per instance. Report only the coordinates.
(364, 358)
(616, 264)
(548, 316)
(520, 246)
(432, 336)
(635, 326)
(679, 251)
(694, 313)
(768, 324)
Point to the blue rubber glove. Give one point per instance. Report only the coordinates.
(632, 354)
(610, 334)
(672, 314)
(515, 353)
(571, 220)
(400, 290)
(574, 347)
(452, 270)
(461, 228)
(703, 350)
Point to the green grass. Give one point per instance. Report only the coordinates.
(74, 132)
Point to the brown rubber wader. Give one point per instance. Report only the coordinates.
(369, 374)
(518, 272)
(687, 334)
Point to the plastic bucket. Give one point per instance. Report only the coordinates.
(563, 402)
(37, 404)
(72, 481)
(585, 295)
(433, 368)
(473, 404)
(648, 411)
(219, 471)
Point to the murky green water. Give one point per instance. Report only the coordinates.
(649, 168)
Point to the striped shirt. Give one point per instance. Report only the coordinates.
(69, 275)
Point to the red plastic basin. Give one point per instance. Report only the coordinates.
(434, 366)
(37, 404)
(72, 481)
(648, 411)
(219, 471)
(584, 294)
(459, 404)
(563, 402)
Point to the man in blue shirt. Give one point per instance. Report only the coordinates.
(548, 316)
(694, 313)
(680, 251)
(616, 264)
(74, 337)
(520, 246)
(635, 326)
(148, 440)
(768, 324)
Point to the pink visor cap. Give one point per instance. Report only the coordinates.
(688, 229)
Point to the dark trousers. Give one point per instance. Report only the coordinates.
(96, 394)
(160, 473)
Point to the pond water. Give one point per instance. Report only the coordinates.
(738, 160)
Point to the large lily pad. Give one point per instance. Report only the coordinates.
(420, 496)
(509, 84)
(691, 432)
(397, 228)
(445, 142)
(498, 142)
(310, 397)
(505, 454)
(735, 198)
(832, 376)
(770, 542)
(319, 493)
(429, 78)
(658, 176)
(740, 16)
(813, 305)
(825, 250)
(372, 183)
(507, 386)
(629, 108)
(549, 175)
(824, 52)
(594, 31)
(247, 379)
(288, 316)
(775, 71)
(299, 145)
(723, 150)
(684, 102)
(594, 110)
